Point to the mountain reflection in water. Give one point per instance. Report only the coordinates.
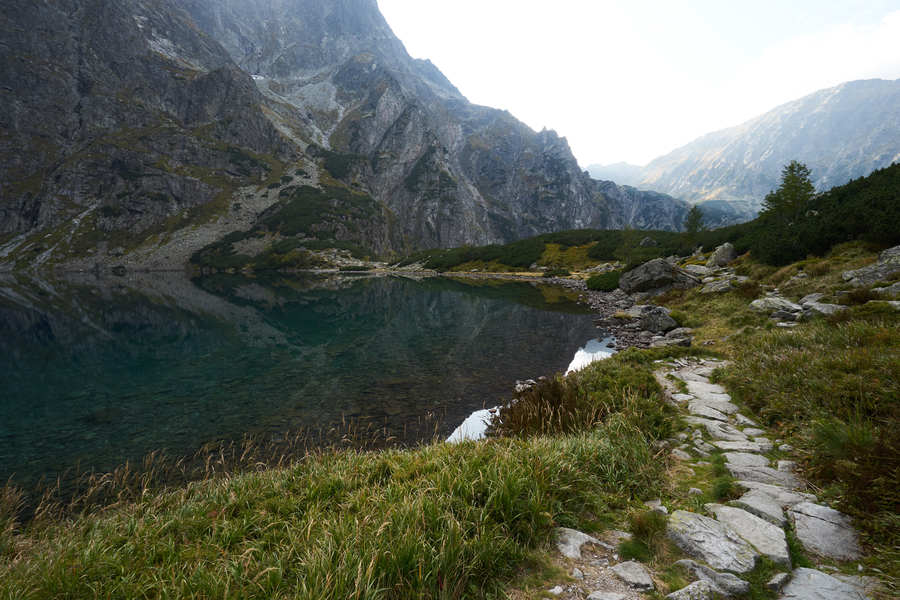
(94, 372)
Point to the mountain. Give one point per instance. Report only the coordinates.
(621, 172)
(138, 132)
(840, 133)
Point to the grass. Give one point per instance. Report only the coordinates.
(442, 521)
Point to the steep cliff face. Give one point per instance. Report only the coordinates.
(840, 133)
(119, 117)
(151, 128)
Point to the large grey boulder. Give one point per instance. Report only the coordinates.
(652, 318)
(656, 277)
(767, 538)
(726, 584)
(810, 584)
(825, 531)
(713, 542)
(634, 574)
(887, 266)
(723, 255)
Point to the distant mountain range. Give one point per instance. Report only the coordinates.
(138, 132)
(841, 133)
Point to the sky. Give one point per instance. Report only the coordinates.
(630, 80)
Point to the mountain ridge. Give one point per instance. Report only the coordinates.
(204, 120)
(840, 133)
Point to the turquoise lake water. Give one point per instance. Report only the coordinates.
(94, 372)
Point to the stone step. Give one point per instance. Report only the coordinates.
(764, 475)
(785, 498)
(810, 584)
(763, 506)
(767, 538)
(825, 531)
(712, 542)
(746, 459)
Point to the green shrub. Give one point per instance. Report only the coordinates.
(604, 282)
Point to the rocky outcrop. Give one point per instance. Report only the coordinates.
(887, 266)
(723, 255)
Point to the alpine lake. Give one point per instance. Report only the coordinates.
(96, 371)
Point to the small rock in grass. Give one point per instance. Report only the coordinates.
(556, 591)
(695, 492)
(786, 448)
(681, 454)
(699, 590)
(577, 574)
(570, 541)
(634, 574)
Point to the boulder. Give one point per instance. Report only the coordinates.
(652, 318)
(887, 266)
(719, 286)
(825, 531)
(713, 542)
(775, 304)
(723, 255)
(648, 242)
(634, 574)
(656, 277)
(814, 309)
(810, 584)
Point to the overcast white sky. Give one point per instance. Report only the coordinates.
(629, 80)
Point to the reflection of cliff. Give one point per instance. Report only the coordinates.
(108, 372)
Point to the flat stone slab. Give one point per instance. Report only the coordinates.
(713, 542)
(810, 584)
(683, 397)
(605, 596)
(825, 531)
(702, 410)
(745, 459)
(634, 574)
(785, 498)
(699, 590)
(764, 475)
(753, 431)
(705, 388)
(764, 443)
(737, 446)
(570, 541)
(726, 584)
(769, 539)
(763, 506)
(720, 404)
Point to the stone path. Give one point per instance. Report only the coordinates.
(726, 542)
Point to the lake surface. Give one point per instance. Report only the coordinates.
(94, 372)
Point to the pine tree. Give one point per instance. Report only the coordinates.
(693, 223)
(788, 203)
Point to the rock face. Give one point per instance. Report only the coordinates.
(710, 541)
(825, 531)
(735, 168)
(656, 277)
(887, 266)
(151, 116)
